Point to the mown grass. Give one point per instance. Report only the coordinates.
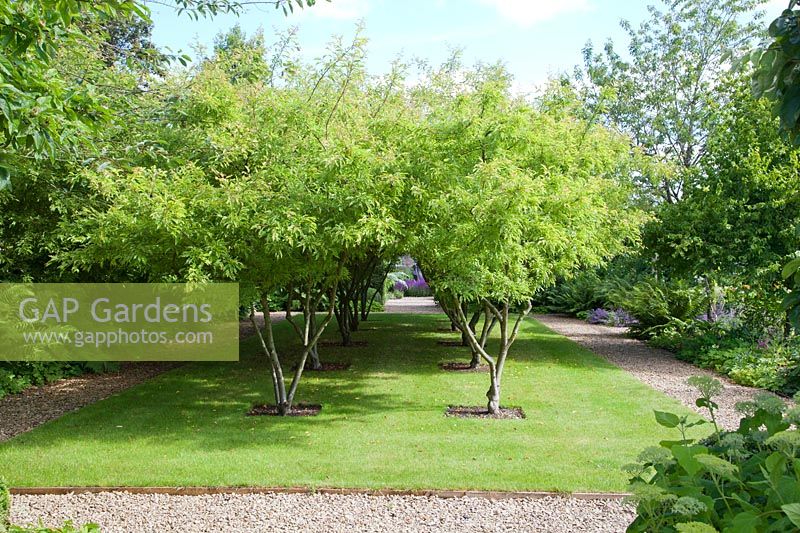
(382, 423)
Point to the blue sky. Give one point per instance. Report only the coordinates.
(535, 38)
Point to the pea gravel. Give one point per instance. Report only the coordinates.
(657, 368)
(218, 513)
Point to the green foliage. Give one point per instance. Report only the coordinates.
(376, 303)
(743, 480)
(39, 108)
(580, 293)
(775, 73)
(523, 196)
(18, 376)
(15, 377)
(791, 302)
(737, 220)
(660, 306)
(5, 506)
(772, 366)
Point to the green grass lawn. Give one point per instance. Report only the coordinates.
(382, 423)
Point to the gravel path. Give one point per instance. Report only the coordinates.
(657, 368)
(413, 304)
(36, 405)
(220, 513)
(246, 326)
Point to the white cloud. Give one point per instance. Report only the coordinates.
(528, 12)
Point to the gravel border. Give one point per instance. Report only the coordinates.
(125, 512)
(37, 405)
(653, 366)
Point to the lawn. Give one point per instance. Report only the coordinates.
(382, 423)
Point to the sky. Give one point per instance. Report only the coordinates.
(536, 39)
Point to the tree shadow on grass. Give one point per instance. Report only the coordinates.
(204, 405)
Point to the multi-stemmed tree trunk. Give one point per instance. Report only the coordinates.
(376, 283)
(352, 296)
(284, 397)
(310, 303)
(496, 364)
(488, 326)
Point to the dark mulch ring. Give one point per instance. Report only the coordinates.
(449, 343)
(457, 366)
(300, 409)
(326, 367)
(464, 411)
(353, 344)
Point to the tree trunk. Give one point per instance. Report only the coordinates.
(473, 323)
(314, 362)
(268, 345)
(493, 394)
(343, 321)
(496, 365)
(353, 308)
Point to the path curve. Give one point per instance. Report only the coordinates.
(655, 367)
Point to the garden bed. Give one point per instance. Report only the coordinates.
(466, 411)
(456, 366)
(301, 409)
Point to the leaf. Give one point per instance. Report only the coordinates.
(746, 522)
(695, 527)
(685, 456)
(790, 268)
(792, 510)
(669, 420)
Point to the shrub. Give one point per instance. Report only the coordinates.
(739, 354)
(658, 305)
(584, 292)
(743, 480)
(16, 376)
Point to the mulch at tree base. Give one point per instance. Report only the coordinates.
(301, 409)
(463, 411)
(449, 343)
(353, 344)
(457, 366)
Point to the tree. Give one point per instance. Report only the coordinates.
(737, 221)
(667, 96)
(41, 110)
(274, 187)
(517, 197)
